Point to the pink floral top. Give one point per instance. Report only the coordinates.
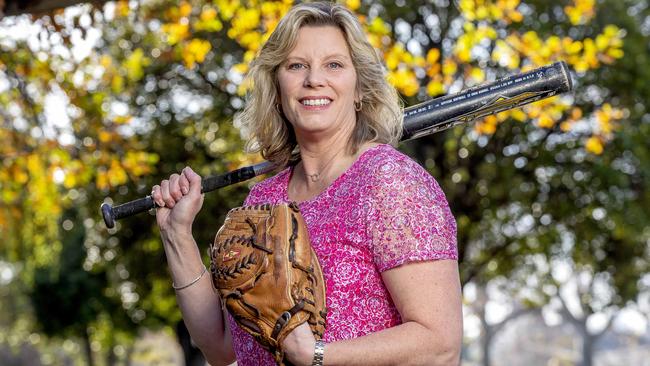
(384, 211)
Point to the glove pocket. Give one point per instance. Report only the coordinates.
(237, 260)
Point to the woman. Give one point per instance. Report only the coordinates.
(378, 222)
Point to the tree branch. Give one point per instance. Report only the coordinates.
(22, 89)
(476, 268)
(495, 328)
(580, 323)
(206, 80)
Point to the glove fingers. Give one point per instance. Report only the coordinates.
(267, 273)
(319, 314)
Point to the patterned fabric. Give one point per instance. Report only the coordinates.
(384, 211)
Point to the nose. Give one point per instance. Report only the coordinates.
(314, 78)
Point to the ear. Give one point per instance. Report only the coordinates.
(358, 95)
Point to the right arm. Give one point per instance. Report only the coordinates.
(179, 199)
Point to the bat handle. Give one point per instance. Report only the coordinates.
(111, 214)
(107, 213)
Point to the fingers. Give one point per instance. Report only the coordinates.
(175, 188)
(156, 196)
(172, 190)
(166, 197)
(194, 180)
(183, 183)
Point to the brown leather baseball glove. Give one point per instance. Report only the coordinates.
(267, 274)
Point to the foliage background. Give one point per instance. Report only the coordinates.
(104, 100)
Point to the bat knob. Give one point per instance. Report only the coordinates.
(107, 212)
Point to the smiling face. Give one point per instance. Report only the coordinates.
(318, 83)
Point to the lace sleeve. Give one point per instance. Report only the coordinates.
(410, 219)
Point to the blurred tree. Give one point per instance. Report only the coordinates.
(519, 191)
(125, 115)
(67, 299)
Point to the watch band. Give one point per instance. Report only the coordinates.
(319, 352)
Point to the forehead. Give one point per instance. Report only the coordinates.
(320, 41)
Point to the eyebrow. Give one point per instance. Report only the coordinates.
(334, 55)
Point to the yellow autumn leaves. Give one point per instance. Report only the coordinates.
(484, 32)
(606, 117)
(195, 51)
(401, 65)
(582, 55)
(517, 52)
(181, 23)
(129, 167)
(524, 51)
(30, 202)
(504, 10)
(249, 23)
(580, 11)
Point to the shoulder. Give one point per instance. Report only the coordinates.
(270, 190)
(397, 182)
(409, 218)
(388, 166)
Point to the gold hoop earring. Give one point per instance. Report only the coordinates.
(358, 105)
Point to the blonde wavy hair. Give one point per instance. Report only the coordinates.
(380, 118)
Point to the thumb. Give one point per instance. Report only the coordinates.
(194, 179)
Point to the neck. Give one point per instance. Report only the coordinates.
(321, 164)
(322, 156)
(335, 161)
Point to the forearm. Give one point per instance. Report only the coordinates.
(199, 304)
(407, 344)
(201, 311)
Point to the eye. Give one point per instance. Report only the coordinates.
(295, 66)
(335, 65)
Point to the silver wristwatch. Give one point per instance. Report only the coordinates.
(319, 352)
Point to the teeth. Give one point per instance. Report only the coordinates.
(312, 102)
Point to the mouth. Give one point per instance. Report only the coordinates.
(315, 102)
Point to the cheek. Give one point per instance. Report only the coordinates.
(286, 89)
(349, 83)
(282, 84)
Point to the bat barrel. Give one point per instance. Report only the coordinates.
(482, 100)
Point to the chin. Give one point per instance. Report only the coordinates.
(313, 124)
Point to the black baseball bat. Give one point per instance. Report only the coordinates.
(419, 120)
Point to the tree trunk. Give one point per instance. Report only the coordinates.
(129, 354)
(587, 348)
(111, 357)
(486, 339)
(88, 349)
(486, 345)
